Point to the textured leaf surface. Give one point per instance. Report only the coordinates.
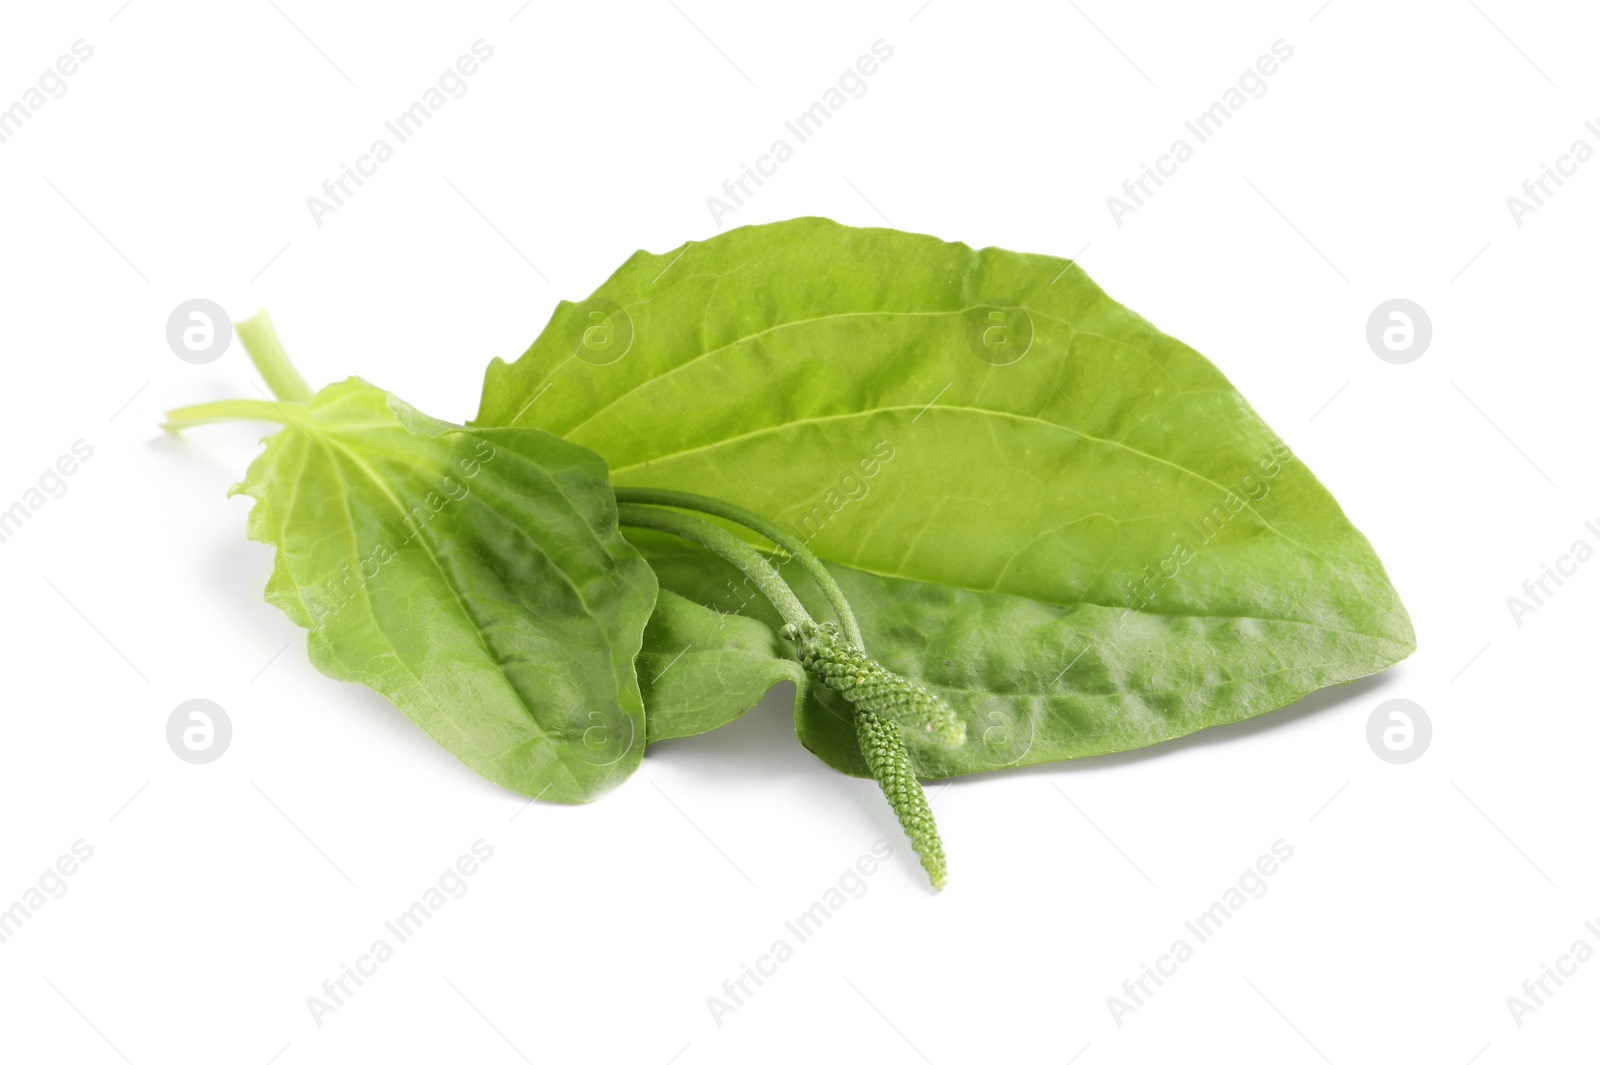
(1065, 519)
(476, 578)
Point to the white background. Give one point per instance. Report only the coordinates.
(219, 897)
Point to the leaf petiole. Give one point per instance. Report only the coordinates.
(719, 541)
(884, 701)
(790, 543)
(266, 351)
(228, 410)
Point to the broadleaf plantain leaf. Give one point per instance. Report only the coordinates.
(1068, 522)
(476, 578)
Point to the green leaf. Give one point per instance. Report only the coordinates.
(1068, 522)
(702, 668)
(1035, 682)
(704, 662)
(476, 578)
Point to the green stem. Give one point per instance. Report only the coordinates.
(266, 351)
(721, 542)
(772, 531)
(883, 701)
(228, 410)
(825, 652)
(261, 341)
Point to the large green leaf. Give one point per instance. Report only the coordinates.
(474, 577)
(1068, 521)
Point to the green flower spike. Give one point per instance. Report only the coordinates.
(870, 687)
(884, 701)
(890, 763)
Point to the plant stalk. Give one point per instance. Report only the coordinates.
(227, 410)
(721, 542)
(266, 351)
(882, 700)
(790, 543)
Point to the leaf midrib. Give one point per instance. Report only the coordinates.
(619, 471)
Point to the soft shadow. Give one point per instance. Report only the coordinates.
(238, 570)
(761, 745)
